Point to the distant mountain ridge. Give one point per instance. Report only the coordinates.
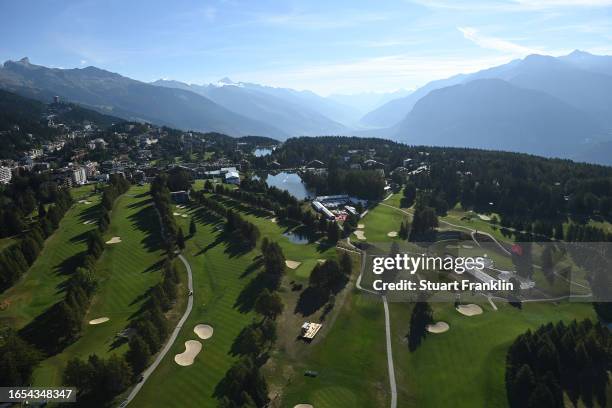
(284, 108)
(111, 93)
(579, 78)
(497, 115)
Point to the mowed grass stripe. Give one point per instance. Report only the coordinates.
(175, 386)
(39, 288)
(125, 272)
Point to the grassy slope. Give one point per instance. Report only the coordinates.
(351, 341)
(220, 276)
(379, 221)
(465, 367)
(39, 288)
(125, 272)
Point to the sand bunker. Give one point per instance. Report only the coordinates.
(467, 246)
(88, 222)
(392, 234)
(360, 226)
(84, 202)
(303, 406)
(99, 320)
(469, 310)
(114, 240)
(192, 349)
(484, 217)
(184, 215)
(321, 260)
(273, 220)
(175, 214)
(439, 327)
(292, 264)
(203, 331)
(179, 206)
(360, 234)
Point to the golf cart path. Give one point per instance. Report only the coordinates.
(390, 366)
(471, 230)
(147, 373)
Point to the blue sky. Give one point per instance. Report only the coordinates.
(326, 46)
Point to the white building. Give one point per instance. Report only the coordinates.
(79, 176)
(232, 177)
(35, 153)
(5, 175)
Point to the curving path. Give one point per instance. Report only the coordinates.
(147, 373)
(390, 366)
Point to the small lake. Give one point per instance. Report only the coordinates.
(292, 182)
(296, 237)
(262, 151)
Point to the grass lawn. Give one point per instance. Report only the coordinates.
(465, 367)
(350, 341)
(6, 242)
(39, 287)
(381, 220)
(223, 290)
(125, 271)
(219, 278)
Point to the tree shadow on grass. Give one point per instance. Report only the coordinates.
(243, 208)
(68, 266)
(256, 264)
(90, 213)
(147, 221)
(311, 299)
(140, 203)
(45, 333)
(235, 246)
(82, 237)
(247, 297)
(142, 195)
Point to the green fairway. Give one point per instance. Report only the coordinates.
(222, 290)
(39, 288)
(124, 272)
(465, 367)
(381, 220)
(349, 356)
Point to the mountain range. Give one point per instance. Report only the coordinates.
(553, 106)
(295, 113)
(495, 109)
(127, 98)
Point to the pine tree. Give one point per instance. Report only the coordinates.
(138, 354)
(192, 227)
(180, 239)
(422, 315)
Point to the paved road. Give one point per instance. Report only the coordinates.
(170, 341)
(390, 366)
(471, 230)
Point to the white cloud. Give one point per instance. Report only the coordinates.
(494, 43)
(83, 62)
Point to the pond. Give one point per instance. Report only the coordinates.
(262, 151)
(296, 237)
(292, 182)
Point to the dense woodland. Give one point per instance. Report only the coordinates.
(25, 125)
(60, 325)
(31, 208)
(572, 359)
(520, 187)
